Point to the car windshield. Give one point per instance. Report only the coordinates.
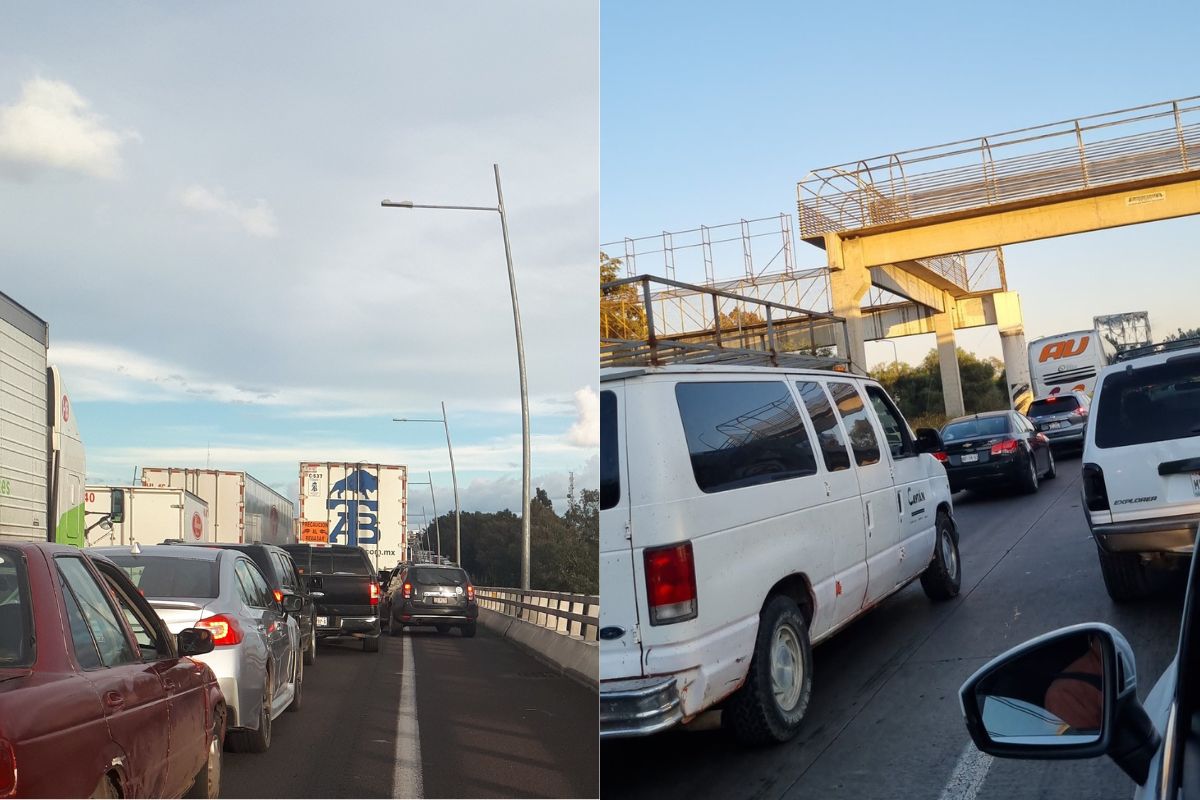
(430, 576)
(1152, 404)
(1052, 405)
(164, 576)
(16, 640)
(970, 428)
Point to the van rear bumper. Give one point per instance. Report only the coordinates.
(1161, 535)
(639, 707)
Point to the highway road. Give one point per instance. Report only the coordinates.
(884, 721)
(428, 716)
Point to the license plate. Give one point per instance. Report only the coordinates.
(1196, 483)
(1054, 425)
(322, 621)
(443, 601)
(970, 457)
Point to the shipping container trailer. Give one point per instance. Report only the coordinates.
(355, 503)
(241, 508)
(152, 515)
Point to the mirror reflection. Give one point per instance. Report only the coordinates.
(1056, 690)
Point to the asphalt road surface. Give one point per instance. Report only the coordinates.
(884, 720)
(489, 721)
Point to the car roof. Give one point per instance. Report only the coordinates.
(336, 548)
(168, 550)
(981, 415)
(244, 547)
(619, 373)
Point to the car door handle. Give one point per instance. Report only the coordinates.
(170, 685)
(114, 700)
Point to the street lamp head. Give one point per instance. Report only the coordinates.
(397, 203)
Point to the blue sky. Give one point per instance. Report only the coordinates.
(711, 112)
(189, 195)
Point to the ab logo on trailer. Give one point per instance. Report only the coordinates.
(358, 522)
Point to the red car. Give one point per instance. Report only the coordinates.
(97, 698)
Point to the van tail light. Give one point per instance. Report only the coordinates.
(941, 456)
(1007, 447)
(374, 593)
(1095, 493)
(225, 630)
(8, 769)
(407, 590)
(278, 595)
(671, 583)
(470, 592)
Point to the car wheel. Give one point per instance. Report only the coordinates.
(371, 644)
(105, 788)
(257, 741)
(771, 703)
(207, 783)
(468, 630)
(1051, 470)
(1125, 576)
(310, 652)
(942, 578)
(298, 686)
(443, 628)
(1029, 477)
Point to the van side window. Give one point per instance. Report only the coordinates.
(610, 458)
(858, 423)
(742, 434)
(895, 429)
(829, 432)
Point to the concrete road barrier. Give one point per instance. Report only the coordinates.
(571, 655)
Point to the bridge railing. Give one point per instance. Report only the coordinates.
(570, 614)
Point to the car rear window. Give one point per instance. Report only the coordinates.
(610, 465)
(969, 428)
(163, 576)
(1052, 405)
(1152, 404)
(318, 561)
(428, 576)
(16, 624)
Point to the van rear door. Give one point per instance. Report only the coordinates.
(620, 639)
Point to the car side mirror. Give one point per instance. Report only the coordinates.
(929, 441)
(1068, 694)
(292, 603)
(116, 513)
(194, 641)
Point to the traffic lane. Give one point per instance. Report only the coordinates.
(342, 741)
(861, 671)
(505, 724)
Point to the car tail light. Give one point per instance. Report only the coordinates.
(374, 593)
(407, 589)
(8, 769)
(1005, 447)
(225, 630)
(941, 456)
(1095, 493)
(671, 583)
(470, 592)
(278, 595)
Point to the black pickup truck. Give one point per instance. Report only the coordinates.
(346, 593)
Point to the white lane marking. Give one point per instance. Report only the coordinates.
(968, 776)
(406, 777)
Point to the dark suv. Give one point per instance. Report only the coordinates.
(279, 568)
(431, 594)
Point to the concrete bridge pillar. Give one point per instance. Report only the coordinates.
(943, 327)
(849, 280)
(1013, 347)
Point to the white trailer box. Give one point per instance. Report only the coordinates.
(41, 453)
(356, 504)
(151, 515)
(240, 507)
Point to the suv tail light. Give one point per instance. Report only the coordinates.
(1095, 493)
(374, 593)
(1006, 447)
(8, 769)
(671, 583)
(407, 589)
(1079, 412)
(470, 592)
(225, 630)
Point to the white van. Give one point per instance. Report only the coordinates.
(748, 513)
(1141, 465)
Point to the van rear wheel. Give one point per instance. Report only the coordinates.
(771, 703)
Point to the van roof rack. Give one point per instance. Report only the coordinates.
(1157, 347)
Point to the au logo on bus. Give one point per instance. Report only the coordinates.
(1064, 348)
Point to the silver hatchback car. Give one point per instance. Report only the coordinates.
(257, 658)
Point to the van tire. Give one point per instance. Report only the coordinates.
(753, 713)
(1125, 576)
(943, 577)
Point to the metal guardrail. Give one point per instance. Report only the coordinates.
(1116, 147)
(570, 614)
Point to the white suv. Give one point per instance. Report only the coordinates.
(746, 514)
(1141, 464)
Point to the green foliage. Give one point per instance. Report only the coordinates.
(1180, 333)
(564, 551)
(918, 390)
(622, 315)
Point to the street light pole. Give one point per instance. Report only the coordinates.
(453, 478)
(436, 523)
(512, 284)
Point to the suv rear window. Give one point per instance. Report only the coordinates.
(610, 464)
(428, 576)
(1052, 405)
(16, 635)
(1152, 404)
(743, 434)
(163, 576)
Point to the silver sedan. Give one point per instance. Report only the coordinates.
(257, 656)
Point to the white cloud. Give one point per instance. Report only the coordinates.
(586, 430)
(51, 126)
(257, 219)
